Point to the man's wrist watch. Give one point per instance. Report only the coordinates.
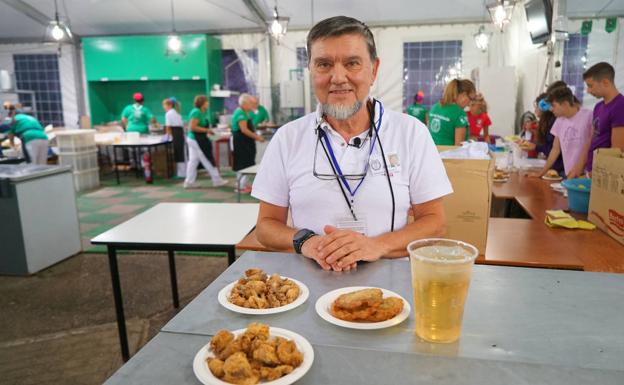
(300, 237)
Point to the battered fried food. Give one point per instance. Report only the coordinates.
(389, 308)
(237, 370)
(366, 305)
(252, 356)
(259, 291)
(360, 298)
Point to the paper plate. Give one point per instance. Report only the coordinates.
(205, 376)
(223, 295)
(323, 306)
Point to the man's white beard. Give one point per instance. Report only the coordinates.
(339, 111)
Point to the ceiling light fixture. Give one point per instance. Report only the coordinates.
(501, 12)
(482, 39)
(57, 31)
(278, 26)
(174, 44)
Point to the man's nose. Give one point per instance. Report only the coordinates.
(339, 74)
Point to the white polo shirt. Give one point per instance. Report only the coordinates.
(173, 119)
(285, 177)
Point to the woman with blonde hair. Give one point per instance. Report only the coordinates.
(200, 147)
(448, 122)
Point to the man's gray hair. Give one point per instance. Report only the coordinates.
(338, 26)
(244, 98)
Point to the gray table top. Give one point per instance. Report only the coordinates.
(535, 316)
(168, 359)
(23, 172)
(185, 224)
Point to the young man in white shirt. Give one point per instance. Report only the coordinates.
(351, 171)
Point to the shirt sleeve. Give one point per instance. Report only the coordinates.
(486, 120)
(428, 179)
(617, 117)
(271, 182)
(462, 119)
(148, 114)
(169, 118)
(124, 113)
(556, 130)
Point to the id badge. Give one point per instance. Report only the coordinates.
(348, 223)
(394, 163)
(376, 166)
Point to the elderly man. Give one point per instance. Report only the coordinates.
(244, 137)
(349, 202)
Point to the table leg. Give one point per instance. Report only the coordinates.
(151, 168)
(216, 155)
(174, 280)
(231, 255)
(115, 164)
(169, 149)
(121, 320)
(137, 159)
(238, 187)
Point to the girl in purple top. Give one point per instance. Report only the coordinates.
(608, 117)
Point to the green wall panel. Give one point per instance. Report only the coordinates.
(108, 99)
(136, 57)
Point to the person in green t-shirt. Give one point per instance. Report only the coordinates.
(418, 110)
(448, 122)
(199, 146)
(260, 114)
(136, 117)
(30, 132)
(245, 137)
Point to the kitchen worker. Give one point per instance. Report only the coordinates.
(448, 122)
(200, 146)
(261, 115)
(30, 132)
(174, 128)
(136, 117)
(350, 171)
(244, 137)
(417, 109)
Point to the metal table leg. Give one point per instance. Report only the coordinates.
(231, 255)
(121, 320)
(115, 164)
(174, 280)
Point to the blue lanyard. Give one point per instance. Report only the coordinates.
(337, 165)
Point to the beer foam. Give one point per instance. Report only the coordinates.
(439, 253)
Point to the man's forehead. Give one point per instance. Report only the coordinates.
(343, 45)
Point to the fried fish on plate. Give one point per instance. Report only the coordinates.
(372, 306)
(360, 298)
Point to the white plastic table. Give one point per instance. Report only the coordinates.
(176, 227)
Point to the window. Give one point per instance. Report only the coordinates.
(428, 66)
(302, 60)
(40, 73)
(574, 63)
(240, 73)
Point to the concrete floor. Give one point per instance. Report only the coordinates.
(58, 326)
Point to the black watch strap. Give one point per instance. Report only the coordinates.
(300, 237)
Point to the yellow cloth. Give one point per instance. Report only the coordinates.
(559, 218)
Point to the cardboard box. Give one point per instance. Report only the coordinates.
(606, 201)
(468, 208)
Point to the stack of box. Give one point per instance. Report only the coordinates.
(76, 148)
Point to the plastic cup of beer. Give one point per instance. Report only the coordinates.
(441, 270)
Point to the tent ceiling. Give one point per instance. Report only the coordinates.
(113, 17)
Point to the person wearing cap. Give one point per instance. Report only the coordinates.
(136, 117)
(34, 139)
(417, 109)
